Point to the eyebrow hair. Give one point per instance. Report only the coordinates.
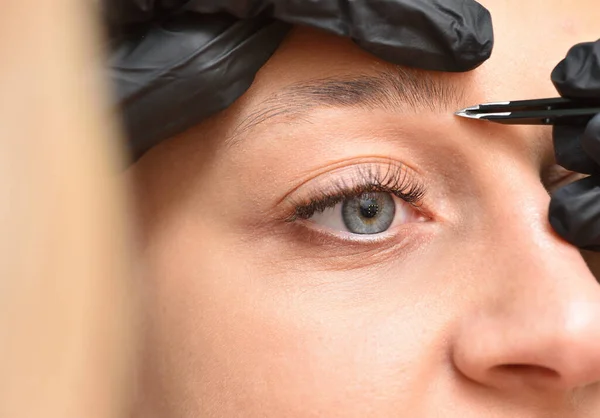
(390, 89)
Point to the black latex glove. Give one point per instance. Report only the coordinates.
(575, 208)
(183, 60)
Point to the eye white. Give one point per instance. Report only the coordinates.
(331, 218)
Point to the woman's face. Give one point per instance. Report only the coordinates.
(339, 244)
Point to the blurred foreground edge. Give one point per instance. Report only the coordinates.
(67, 306)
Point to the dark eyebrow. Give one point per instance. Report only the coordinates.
(390, 89)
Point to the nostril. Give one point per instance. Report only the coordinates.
(529, 371)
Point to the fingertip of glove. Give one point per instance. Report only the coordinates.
(568, 149)
(592, 131)
(577, 74)
(473, 41)
(590, 140)
(469, 61)
(457, 35)
(573, 212)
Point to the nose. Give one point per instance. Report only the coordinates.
(535, 324)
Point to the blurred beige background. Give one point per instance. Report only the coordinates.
(66, 300)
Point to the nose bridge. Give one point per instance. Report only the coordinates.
(527, 248)
(535, 270)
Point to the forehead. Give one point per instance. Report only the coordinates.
(530, 39)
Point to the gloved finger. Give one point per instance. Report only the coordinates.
(178, 73)
(578, 74)
(568, 149)
(445, 35)
(574, 213)
(590, 141)
(122, 12)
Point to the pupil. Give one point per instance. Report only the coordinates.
(368, 208)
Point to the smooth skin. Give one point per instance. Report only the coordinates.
(480, 310)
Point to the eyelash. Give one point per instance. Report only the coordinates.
(395, 180)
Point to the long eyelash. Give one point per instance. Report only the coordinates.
(395, 180)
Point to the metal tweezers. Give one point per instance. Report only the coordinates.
(553, 111)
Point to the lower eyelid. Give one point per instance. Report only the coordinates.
(348, 236)
(350, 251)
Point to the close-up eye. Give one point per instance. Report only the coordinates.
(367, 214)
(362, 200)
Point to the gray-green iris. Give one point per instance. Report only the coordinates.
(369, 213)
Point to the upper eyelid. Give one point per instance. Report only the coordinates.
(357, 174)
(361, 176)
(350, 165)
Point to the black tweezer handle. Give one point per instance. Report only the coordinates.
(553, 111)
(544, 117)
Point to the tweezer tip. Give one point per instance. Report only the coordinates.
(464, 112)
(467, 112)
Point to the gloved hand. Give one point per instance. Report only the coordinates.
(575, 208)
(183, 60)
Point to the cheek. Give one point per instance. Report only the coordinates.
(233, 329)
